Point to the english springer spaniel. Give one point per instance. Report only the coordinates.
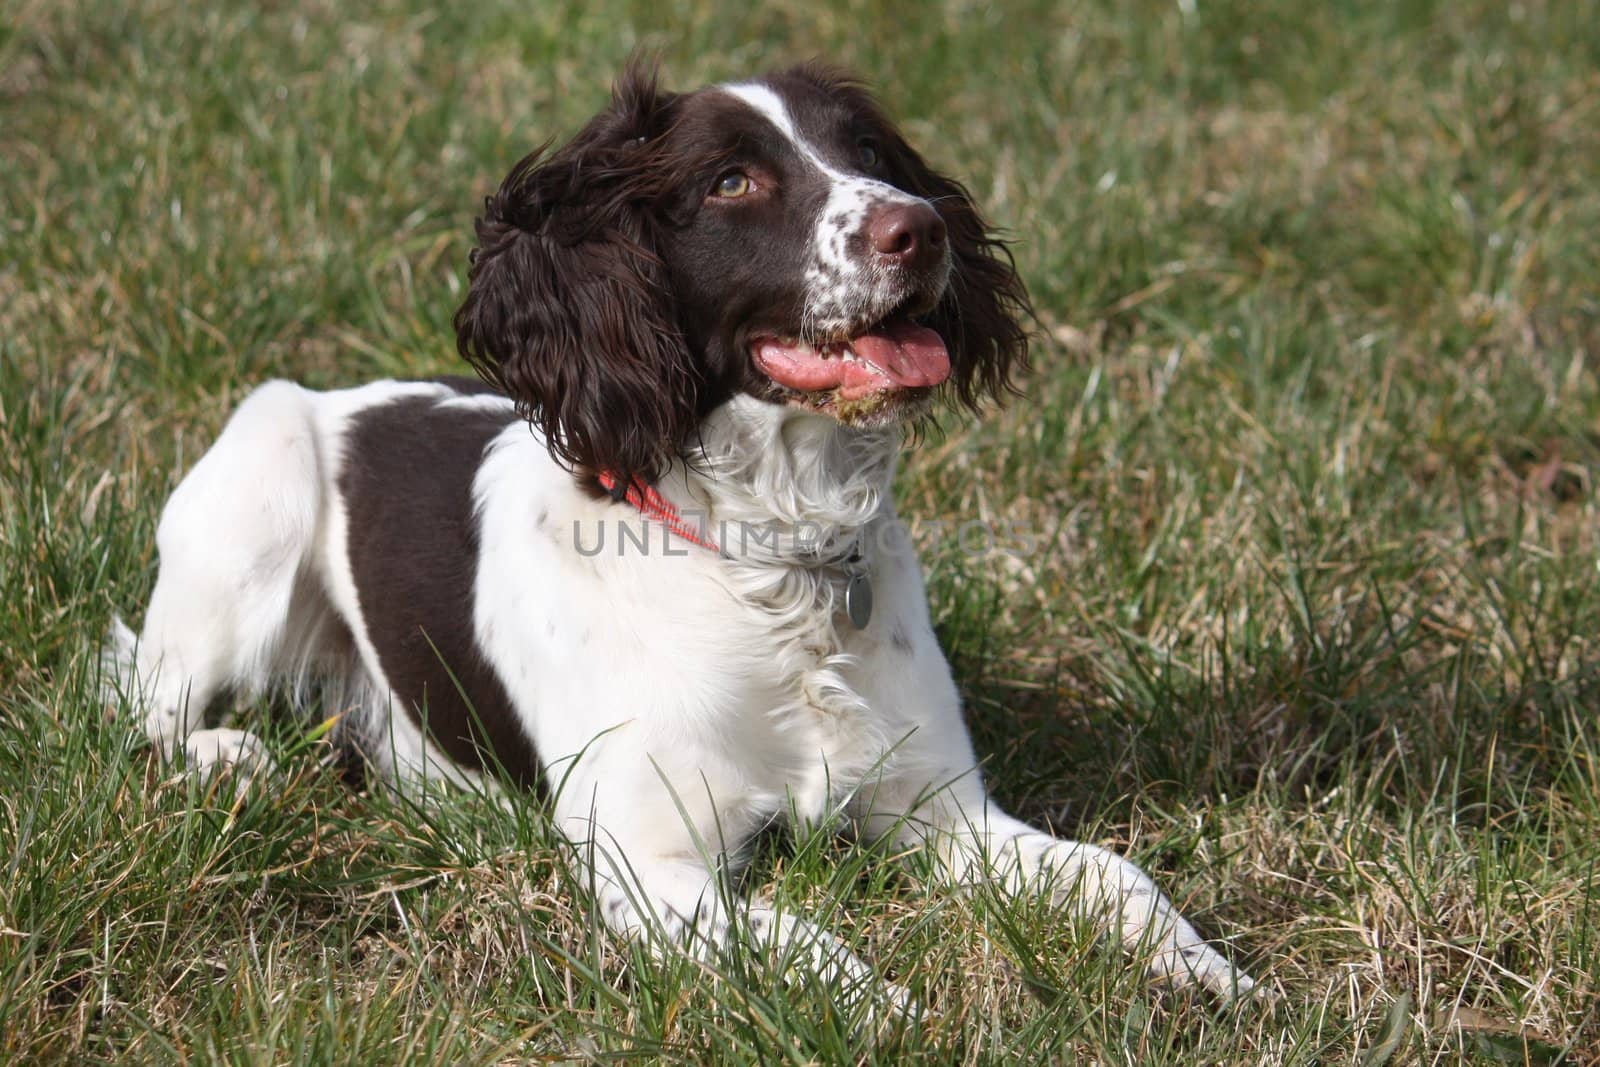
(651, 567)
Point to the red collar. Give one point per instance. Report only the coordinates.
(652, 505)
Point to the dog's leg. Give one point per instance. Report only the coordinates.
(682, 903)
(930, 794)
(232, 540)
(671, 899)
(1097, 883)
(977, 843)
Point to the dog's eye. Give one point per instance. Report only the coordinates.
(867, 152)
(733, 185)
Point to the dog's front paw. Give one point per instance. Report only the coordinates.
(1200, 964)
(236, 752)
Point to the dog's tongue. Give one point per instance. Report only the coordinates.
(897, 353)
(906, 353)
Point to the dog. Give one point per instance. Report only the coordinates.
(643, 561)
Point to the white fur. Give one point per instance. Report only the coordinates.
(681, 701)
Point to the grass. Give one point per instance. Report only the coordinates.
(1309, 456)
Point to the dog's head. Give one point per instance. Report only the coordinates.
(775, 237)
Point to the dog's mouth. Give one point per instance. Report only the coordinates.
(889, 358)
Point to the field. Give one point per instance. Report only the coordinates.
(1309, 454)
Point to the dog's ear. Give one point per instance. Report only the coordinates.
(568, 308)
(981, 316)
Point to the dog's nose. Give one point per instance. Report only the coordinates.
(906, 234)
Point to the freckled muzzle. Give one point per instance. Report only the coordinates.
(870, 345)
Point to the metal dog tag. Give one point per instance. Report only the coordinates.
(858, 600)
